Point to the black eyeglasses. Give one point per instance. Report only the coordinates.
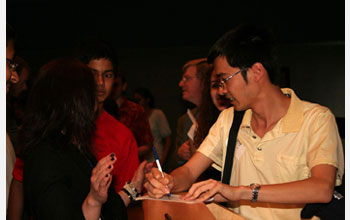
(224, 80)
(12, 64)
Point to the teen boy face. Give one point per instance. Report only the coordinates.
(104, 77)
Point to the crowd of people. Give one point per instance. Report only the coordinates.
(78, 148)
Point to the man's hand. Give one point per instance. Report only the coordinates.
(156, 185)
(205, 190)
(139, 175)
(185, 152)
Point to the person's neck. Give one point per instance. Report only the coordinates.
(99, 109)
(120, 101)
(271, 105)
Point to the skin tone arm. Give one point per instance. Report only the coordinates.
(184, 152)
(179, 180)
(15, 203)
(137, 180)
(167, 144)
(316, 189)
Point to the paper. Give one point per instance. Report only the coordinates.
(191, 116)
(192, 131)
(172, 198)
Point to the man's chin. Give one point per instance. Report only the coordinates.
(101, 99)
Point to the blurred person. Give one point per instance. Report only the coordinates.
(16, 100)
(158, 122)
(11, 79)
(191, 84)
(131, 114)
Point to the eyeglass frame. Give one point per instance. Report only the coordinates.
(224, 80)
(12, 64)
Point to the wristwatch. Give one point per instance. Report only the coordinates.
(255, 191)
(130, 190)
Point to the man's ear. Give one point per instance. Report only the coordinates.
(258, 71)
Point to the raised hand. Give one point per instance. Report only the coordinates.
(101, 179)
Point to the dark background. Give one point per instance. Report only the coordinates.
(154, 40)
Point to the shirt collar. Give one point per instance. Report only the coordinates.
(291, 122)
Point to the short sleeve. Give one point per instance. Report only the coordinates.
(214, 144)
(325, 146)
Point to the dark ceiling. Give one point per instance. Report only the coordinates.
(60, 24)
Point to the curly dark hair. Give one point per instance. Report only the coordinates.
(61, 104)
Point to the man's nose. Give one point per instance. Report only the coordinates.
(99, 80)
(181, 83)
(222, 90)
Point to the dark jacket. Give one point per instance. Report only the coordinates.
(56, 182)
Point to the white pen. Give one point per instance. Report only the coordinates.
(158, 164)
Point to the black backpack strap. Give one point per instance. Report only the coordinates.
(238, 116)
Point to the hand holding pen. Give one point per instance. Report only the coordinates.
(157, 182)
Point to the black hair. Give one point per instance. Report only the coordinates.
(146, 94)
(90, 49)
(246, 45)
(10, 33)
(61, 104)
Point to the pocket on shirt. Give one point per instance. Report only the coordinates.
(291, 168)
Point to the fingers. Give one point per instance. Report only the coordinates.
(149, 167)
(155, 184)
(202, 191)
(142, 166)
(101, 174)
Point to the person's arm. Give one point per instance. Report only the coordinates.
(179, 180)
(316, 189)
(324, 156)
(15, 203)
(137, 181)
(167, 144)
(184, 152)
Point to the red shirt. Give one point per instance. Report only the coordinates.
(111, 136)
(135, 118)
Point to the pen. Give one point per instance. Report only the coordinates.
(158, 163)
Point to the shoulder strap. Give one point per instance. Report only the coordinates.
(238, 116)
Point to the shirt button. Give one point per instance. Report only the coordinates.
(259, 149)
